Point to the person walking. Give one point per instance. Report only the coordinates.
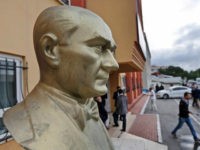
(115, 115)
(104, 100)
(195, 95)
(153, 99)
(102, 112)
(122, 108)
(157, 88)
(161, 87)
(104, 97)
(116, 94)
(184, 117)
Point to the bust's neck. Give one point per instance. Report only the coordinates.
(57, 92)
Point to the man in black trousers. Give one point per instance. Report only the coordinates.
(185, 118)
(115, 114)
(195, 95)
(122, 108)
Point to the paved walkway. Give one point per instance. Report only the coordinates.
(139, 124)
(145, 126)
(142, 129)
(139, 107)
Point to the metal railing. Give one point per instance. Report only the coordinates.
(8, 90)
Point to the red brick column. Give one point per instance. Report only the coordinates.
(135, 84)
(129, 87)
(140, 83)
(80, 3)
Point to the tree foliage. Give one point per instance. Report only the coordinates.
(178, 71)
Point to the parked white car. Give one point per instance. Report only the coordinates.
(173, 92)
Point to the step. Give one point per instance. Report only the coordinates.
(115, 131)
(129, 142)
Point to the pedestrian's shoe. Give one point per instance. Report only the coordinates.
(123, 130)
(197, 141)
(174, 135)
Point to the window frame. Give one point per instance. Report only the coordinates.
(19, 76)
(62, 2)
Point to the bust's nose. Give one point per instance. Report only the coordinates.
(109, 63)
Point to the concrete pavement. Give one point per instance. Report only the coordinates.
(168, 112)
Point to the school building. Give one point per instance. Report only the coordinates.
(19, 71)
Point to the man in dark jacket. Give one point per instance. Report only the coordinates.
(115, 114)
(184, 117)
(122, 108)
(195, 95)
(116, 94)
(102, 111)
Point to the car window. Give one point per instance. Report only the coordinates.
(175, 89)
(182, 88)
(179, 88)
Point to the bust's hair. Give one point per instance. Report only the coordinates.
(57, 20)
(62, 21)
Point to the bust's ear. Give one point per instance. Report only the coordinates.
(49, 49)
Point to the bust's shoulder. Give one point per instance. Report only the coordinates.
(17, 111)
(17, 122)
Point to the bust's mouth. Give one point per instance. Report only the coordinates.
(102, 78)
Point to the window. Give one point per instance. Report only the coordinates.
(179, 88)
(7, 83)
(176, 89)
(10, 84)
(65, 2)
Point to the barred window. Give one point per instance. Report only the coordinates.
(10, 85)
(65, 2)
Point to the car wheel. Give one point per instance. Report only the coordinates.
(165, 96)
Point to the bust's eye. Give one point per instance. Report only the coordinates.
(101, 47)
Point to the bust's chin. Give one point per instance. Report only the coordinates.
(101, 90)
(97, 91)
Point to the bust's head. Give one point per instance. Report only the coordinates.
(74, 48)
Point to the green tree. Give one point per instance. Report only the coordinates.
(178, 71)
(174, 71)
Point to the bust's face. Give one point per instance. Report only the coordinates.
(88, 59)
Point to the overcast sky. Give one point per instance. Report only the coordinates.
(173, 32)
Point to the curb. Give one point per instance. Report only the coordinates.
(160, 140)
